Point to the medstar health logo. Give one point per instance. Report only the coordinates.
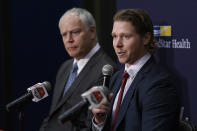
(162, 30)
(163, 36)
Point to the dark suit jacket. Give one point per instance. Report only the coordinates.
(90, 76)
(150, 104)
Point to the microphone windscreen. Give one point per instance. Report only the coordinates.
(107, 70)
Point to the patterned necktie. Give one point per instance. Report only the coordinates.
(72, 76)
(123, 83)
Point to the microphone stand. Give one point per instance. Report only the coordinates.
(21, 120)
(21, 110)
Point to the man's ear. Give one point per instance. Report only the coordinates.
(92, 30)
(146, 38)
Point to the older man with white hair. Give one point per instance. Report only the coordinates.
(75, 76)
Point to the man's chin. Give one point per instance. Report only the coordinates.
(122, 61)
(72, 54)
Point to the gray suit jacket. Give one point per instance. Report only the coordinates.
(90, 76)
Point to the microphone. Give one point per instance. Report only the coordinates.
(96, 96)
(107, 71)
(36, 92)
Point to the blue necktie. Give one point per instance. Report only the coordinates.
(72, 76)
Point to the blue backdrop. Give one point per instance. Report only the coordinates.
(175, 26)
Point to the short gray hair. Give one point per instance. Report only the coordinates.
(85, 16)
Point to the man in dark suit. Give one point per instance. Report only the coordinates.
(144, 98)
(78, 31)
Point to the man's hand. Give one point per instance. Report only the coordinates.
(100, 112)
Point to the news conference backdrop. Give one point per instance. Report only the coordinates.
(175, 32)
(37, 52)
(37, 48)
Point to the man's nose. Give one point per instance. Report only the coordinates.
(70, 37)
(119, 42)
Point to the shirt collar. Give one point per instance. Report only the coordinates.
(82, 62)
(136, 66)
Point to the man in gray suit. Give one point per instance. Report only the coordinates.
(75, 76)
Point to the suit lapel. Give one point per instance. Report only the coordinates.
(78, 80)
(129, 95)
(114, 89)
(128, 98)
(61, 86)
(75, 85)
